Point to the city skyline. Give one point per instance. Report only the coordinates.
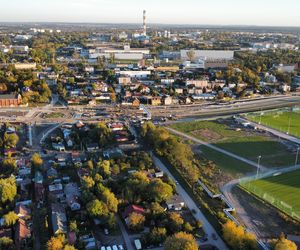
(215, 12)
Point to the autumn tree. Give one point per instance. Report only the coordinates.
(284, 244)
(8, 189)
(175, 222)
(10, 140)
(237, 237)
(56, 242)
(96, 208)
(10, 218)
(181, 241)
(136, 221)
(8, 165)
(36, 161)
(6, 243)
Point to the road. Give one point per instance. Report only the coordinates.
(208, 228)
(273, 131)
(207, 109)
(125, 235)
(249, 162)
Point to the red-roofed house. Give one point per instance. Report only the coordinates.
(133, 209)
(22, 233)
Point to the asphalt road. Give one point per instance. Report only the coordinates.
(208, 228)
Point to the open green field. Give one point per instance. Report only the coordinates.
(248, 144)
(285, 121)
(282, 191)
(226, 163)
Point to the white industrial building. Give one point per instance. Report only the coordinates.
(126, 53)
(208, 55)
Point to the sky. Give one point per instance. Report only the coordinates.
(205, 12)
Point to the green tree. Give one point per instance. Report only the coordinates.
(160, 191)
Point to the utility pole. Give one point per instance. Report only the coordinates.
(297, 155)
(258, 165)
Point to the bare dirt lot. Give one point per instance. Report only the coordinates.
(268, 221)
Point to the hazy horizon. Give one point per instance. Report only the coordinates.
(191, 12)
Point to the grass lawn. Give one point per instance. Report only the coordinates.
(248, 144)
(281, 191)
(226, 163)
(280, 120)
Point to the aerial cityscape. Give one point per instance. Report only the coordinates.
(149, 125)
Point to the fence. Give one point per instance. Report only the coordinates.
(274, 201)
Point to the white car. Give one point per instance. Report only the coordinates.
(121, 247)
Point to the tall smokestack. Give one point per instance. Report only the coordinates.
(144, 23)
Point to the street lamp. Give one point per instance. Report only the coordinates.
(288, 132)
(297, 155)
(258, 165)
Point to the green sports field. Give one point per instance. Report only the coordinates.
(246, 143)
(285, 121)
(282, 191)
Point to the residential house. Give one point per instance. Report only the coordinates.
(58, 219)
(175, 203)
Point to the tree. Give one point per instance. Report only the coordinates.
(10, 218)
(160, 191)
(8, 189)
(73, 226)
(6, 243)
(181, 241)
(101, 133)
(136, 221)
(10, 140)
(110, 200)
(175, 222)
(284, 244)
(96, 208)
(87, 182)
(104, 168)
(8, 165)
(69, 247)
(237, 237)
(36, 160)
(157, 235)
(56, 242)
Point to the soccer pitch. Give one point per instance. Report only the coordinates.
(285, 121)
(282, 191)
